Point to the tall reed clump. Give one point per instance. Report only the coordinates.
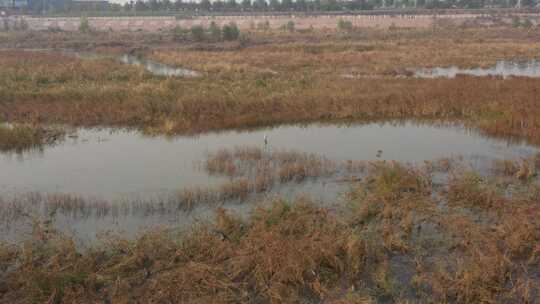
(17, 138)
(391, 201)
(285, 165)
(466, 248)
(263, 170)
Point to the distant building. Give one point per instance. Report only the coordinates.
(13, 4)
(89, 4)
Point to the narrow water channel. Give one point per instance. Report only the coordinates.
(504, 69)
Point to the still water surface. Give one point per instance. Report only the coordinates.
(502, 68)
(111, 164)
(157, 68)
(123, 166)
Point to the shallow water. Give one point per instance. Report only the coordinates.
(127, 167)
(502, 68)
(157, 68)
(113, 164)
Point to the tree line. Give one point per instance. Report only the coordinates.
(247, 6)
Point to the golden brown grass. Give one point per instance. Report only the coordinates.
(394, 242)
(276, 257)
(17, 138)
(289, 165)
(399, 238)
(283, 81)
(484, 256)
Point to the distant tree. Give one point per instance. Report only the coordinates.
(154, 5)
(218, 6)
(5, 24)
(246, 5)
(215, 31)
(301, 5)
(274, 5)
(180, 34)
(290, 26)
(140, 5)
(206, 5)
(35, 6)
(114, 7)
(314, 5)
(516, 22)
(231, 32)
(330, 5)
(345, 25)
(41, 6)
(527, 23)
(167, 5)
(388, 3)
(462, 3)
(128, 6)
(197, 33)
(359, 5)
(287, 5)
(260, 5)
(58, 5)
(178, 4)
(84, 26)
(231, 4)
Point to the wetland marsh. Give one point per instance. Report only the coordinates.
(269, 177)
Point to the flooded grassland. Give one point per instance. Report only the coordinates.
(284, 82)
(256, 173)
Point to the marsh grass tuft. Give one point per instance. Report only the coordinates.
(17, 138)
(274, 257)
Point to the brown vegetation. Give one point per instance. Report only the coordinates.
(397, 237)
(393, 241)
(17, 138)
(251, 171)
(274, 258)
(283, 81)
(252, 161)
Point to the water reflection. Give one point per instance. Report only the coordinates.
(157, 68)
(125, 182)
(111, 164)
(502, 68)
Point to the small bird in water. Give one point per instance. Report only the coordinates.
(379, 153)
(265, 139)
